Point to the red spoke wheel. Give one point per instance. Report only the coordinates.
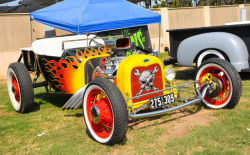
(228, 84)
(20, 88)
(15, 88)
(105, 111)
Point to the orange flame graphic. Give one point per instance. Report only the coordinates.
(59, 71)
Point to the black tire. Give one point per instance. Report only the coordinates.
(106, 116)
(229, 79)
(20, 88)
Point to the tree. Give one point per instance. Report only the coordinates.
(163, 3)
(180, 2)
(188, 3)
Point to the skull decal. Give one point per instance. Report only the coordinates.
(146, 79)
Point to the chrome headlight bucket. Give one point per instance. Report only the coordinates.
(169, 73)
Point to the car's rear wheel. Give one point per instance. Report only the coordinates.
(228, 84)
(105, 112)
(20, 88)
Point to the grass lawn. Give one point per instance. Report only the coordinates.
(193, 130)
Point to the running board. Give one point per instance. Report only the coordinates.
(76, 100)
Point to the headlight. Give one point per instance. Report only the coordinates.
(169, 73)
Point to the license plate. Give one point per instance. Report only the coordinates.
(161, 101)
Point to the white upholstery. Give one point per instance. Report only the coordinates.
(53, 46)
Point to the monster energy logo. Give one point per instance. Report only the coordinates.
(130, 52)
(136, 38)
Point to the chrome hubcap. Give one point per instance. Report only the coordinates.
(13, 89)
(215, 92)
(95, 115)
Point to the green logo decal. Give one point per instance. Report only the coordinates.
(135, 38)
(131, 52)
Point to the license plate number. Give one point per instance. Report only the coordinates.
(161, 101)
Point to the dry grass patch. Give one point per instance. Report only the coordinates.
(178, 124)
(3, 81)
(182, 123)
(4, 113)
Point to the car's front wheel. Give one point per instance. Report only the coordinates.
(228, 84)
(105, 112)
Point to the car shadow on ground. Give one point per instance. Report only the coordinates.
(75, 115)
(245, 76)
(56, 99)
(185, 73)
(123, 142)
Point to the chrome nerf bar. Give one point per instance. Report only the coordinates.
(155, 92)
(161, 112)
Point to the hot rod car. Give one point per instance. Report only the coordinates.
(112, 87)
(114, 75)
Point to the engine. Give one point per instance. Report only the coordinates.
(108, 65)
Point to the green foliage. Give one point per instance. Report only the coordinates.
(176, 3)
(163, 3)
(156, 6)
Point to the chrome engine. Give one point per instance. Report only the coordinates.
(108, 67)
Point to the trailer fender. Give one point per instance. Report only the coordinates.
(232, 45)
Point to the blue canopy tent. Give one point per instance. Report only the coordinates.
(82, 16)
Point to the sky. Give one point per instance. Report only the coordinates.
(14, 3)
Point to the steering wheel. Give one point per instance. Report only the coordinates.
(93, 40)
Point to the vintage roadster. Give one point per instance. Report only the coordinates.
(112, 87)
(115, 76)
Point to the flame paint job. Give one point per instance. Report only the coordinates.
(67, 76)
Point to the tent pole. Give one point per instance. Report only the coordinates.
(87, 34)
(159, 37)
(31, 31)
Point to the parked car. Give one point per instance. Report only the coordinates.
(113, 87)
(111, 70)
(196, 45)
